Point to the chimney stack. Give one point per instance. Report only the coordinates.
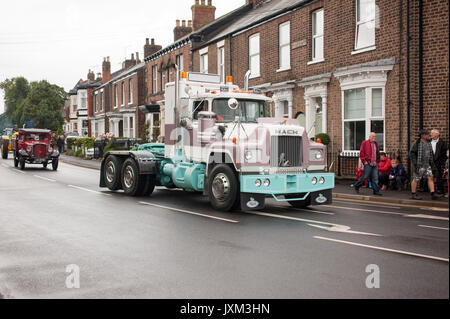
(254, 3)
(150, 48)
(106, 70)
(202, 14)
(91, 76)
(137, 58)
(182, 29)
(99, 76)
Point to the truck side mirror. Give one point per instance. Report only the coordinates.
(233, 103)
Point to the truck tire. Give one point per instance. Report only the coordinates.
(111, 172)
(298, 203)
(22, 163)
(149, 182)
(45, 165)
(132, 183)
(223, 188)
(4, 151)
(55, 163)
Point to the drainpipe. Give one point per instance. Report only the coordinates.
(408, 84)
(420, 64)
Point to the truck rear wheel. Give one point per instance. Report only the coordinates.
(4, 151)
(223, 188)
(298, 203)
(149, 185)
(133, 184)
(111, 173)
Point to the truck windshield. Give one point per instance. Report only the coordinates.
(250, 110)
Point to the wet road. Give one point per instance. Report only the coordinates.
(174, 245)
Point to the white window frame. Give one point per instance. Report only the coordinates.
(221, 63)
(102, 99)
(130, 91)
(116, 96)
(155, 78)
(281, 65)
(255, 54)
(204, 63)
(122, 89)
(96, 101)
(361, 22)
(368, 114)
(180, 62)
(317, 36)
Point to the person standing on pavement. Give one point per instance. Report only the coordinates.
(439, 150)
(60, 143)
(384, 168)
(370, 157)
(446, 174)
(421, 155)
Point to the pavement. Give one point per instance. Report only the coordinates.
(343, 189)
(58, 226)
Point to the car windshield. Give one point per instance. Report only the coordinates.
(36, 137)
(250, 110)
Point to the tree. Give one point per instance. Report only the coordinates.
(16, 90)
(41, 106)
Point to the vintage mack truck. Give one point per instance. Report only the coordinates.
(225, 143)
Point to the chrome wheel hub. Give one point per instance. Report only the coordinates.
(128, 177)
(221, 186)
(110, 172)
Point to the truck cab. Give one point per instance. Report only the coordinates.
(224, 142)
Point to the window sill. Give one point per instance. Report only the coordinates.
(255, 76)
(283, 69)
(358, 51)
(315, 61)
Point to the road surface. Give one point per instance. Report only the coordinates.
(174, 245)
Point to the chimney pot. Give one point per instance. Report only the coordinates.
(177, 23)
(209, 2)
(153, 41)
(147, 41)
(203, 2)
(190, 24)
(183, 23)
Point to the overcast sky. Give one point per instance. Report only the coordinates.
(61, 40)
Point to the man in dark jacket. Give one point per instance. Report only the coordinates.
(422, 163)
(439, 157)
(370, 157)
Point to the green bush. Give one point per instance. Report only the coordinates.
(324, 137)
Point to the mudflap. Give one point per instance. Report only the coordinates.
(251, 201)
(324, 197)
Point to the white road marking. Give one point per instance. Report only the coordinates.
(438, 209)
(383, 248)
(426, 216)
(390, 213)
(88, 190)
(374, 205)
(45, 178)
(434, 227)
(363, 210)
(329, 226)
(18, 171)
(305, 210)
(189, 212)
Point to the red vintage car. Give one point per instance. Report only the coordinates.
(34, 146)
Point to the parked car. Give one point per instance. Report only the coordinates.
(34, 146)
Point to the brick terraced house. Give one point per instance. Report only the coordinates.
(344, 68)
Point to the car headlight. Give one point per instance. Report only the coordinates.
(258, 183)
(322, 180)
(29, 148)
(314, 181)
(50, 149)
(267, 182)
(315, 155)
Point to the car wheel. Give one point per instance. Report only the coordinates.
(223, 188)
(132, 183)
(4, 151)
(22, 163)
(55, 163)
(298, 203)
(16, 160)
(45, 164)
(111, 172)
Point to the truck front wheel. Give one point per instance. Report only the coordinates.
(223, 188)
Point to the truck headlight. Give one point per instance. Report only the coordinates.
(314, 181)
(315, 155)
(267, 182)
(258, 183)
(322, 180)
(50, 149)
(29, 148)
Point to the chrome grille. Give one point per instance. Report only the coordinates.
(286, 151)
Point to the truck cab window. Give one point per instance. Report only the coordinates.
(199, 106)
